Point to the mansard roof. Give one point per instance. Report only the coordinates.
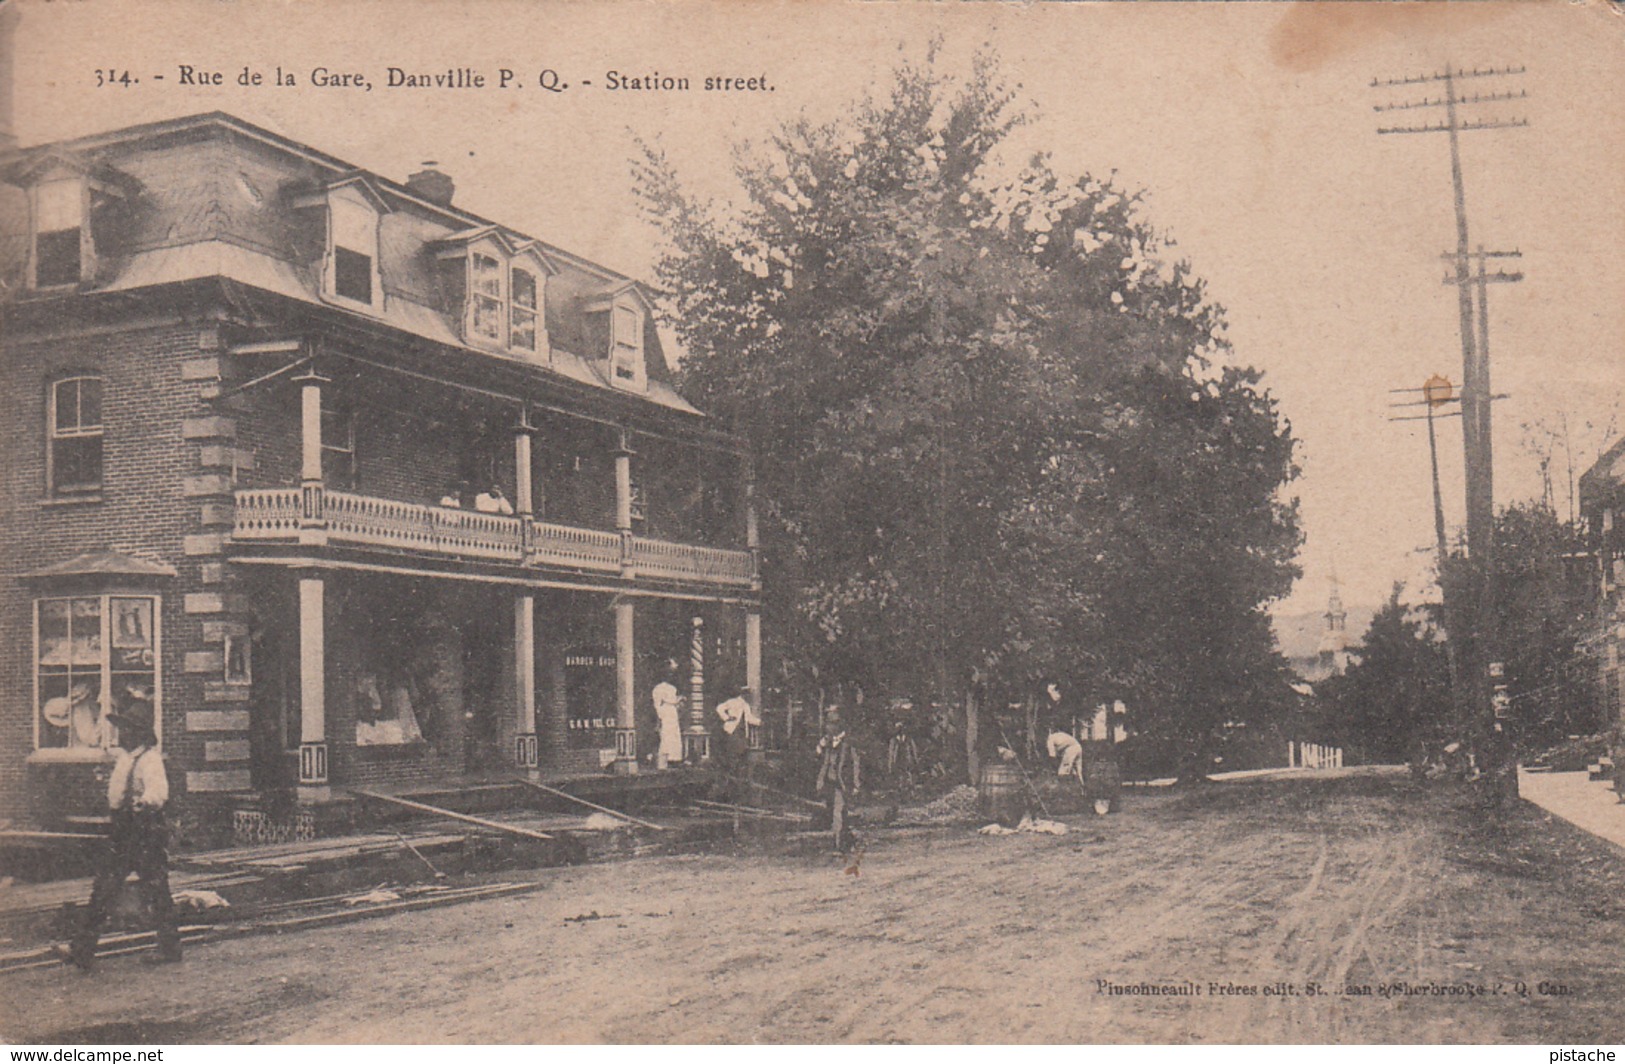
(216, 196)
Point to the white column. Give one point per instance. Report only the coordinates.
(753, 674)
(626, 733)
(524, 674)
(312, 690)
(524, 502)
(312, 493)
(623, 502)
(753, 538)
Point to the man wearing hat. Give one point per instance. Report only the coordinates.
(137, 792)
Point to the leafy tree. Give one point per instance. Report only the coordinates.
(990, 437)
(1395, 698)
(1544, 603)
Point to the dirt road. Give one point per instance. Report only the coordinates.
(944, 935)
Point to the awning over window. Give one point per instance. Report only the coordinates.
(101, 565)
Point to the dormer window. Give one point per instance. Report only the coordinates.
(486, 300)
(59, 222)
(627, 356)
(522, 312)
(352, 247)
(498, 287)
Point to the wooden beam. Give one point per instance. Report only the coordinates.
(594, 805)
(494, 825)
(745, 810)
(786, 794)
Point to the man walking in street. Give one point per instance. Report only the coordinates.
(137, 793)
(839, 777)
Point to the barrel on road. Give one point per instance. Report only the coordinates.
(1002, 796)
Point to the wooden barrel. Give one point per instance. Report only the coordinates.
(1002, 796)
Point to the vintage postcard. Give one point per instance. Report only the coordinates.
(835, 523)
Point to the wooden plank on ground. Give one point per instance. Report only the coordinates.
(786, 794)
(594, 805)
(422, 807)
(745, 810)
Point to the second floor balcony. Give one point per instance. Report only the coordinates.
(285, 515)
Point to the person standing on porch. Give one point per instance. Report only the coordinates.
(738, 717)
(668, 711)
(839, 777)
(137, 793)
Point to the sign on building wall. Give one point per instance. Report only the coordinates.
(589, 694)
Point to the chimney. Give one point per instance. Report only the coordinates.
(432, 185)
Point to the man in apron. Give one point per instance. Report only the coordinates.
(137, 792)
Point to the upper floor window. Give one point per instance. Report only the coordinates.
(74, 438)
(352, 272)
(486, 297)
(498, 288)
(59, 222)
(522, 311)
(627, 357)
(338, 448)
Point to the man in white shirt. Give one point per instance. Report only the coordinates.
(137, 793)
(668, 711)
(492, 501)
(738, 716)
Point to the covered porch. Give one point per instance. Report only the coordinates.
(367, 676)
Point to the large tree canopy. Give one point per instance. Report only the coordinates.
(994, 430)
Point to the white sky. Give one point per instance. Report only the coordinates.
(1249, 125)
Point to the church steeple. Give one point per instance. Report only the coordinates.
(1334, 656)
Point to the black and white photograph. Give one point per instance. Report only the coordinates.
(812, 523)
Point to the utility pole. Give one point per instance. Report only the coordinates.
(1491, 741)
(1436, 392)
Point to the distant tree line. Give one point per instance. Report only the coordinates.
(1395, 701)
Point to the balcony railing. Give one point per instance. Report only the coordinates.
(270, 515)
(679, 561)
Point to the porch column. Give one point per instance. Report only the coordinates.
(696, 737)
(623, 500)
(524, 675)
(753, 539)
(524, 503)
(753, 677)
(626, 727)
(312, 493)
(312, 690)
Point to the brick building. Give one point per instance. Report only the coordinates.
(363, 488)
(1602, 500)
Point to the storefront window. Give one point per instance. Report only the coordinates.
(96, 654)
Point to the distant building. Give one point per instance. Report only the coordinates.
(356, 487)
(1333, 656)
(1316, 645)
(1602, 501)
